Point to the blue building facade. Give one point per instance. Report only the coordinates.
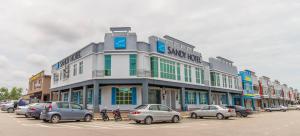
(248, 96)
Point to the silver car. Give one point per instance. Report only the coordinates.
(154, 113)
(21, 110)
(218, 111)
(276, 108)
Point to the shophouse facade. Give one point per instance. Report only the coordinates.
(122, 72)
(266, 91)
(39, 85)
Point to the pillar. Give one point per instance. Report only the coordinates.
(242, 101)
(253, 103)
(145, 92)
(209, 97)
(69, 95)
(182, 96)
(227, 96)
(58, 96)
(84, 97)
(96, 96)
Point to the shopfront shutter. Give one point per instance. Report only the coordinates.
(113, 96)
(133, 90)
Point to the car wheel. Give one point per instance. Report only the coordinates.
(238, 114)
(10, 110)
(220, 116)
(175, 119)
(44, 120)
(194, 115)
(37, 118)
(55, 119)
(201, 117)
(245, 115)
(138, 121)
(26, 116)
(226, 117)
(148, 120)
(88, 118)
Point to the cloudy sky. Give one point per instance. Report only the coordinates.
(260, 35)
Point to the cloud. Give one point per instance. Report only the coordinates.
(3, 61)
(37, 60)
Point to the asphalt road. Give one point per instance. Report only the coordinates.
(262, 124)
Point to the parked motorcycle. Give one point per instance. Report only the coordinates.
(117, 115)
(104, 115)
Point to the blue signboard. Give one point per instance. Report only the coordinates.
(161, 47)
(120, 42)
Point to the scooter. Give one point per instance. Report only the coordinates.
(117, 115)
(104, 115)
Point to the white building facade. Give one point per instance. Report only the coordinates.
(122, 72)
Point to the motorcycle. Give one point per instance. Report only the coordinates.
(104, 115)
(117, 115)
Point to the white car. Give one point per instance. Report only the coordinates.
(293, 107)
(276, 108)
(218, 111)
(21, 110)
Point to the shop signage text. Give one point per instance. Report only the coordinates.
(183, 54)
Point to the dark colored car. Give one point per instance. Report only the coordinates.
(240, 111)
(35, 110)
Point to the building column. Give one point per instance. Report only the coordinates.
(96, 96)
(182, 102)
(209, 97)
(242, 101)
(69, 94)
(253, 103)
(145, 92)
(58, 96)
(84, 97)
(228, 101)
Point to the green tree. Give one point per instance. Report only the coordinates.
(15, 93)
(4, 93)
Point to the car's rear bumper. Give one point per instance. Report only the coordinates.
(136, 117)
(20, 112)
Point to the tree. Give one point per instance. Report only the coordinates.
(4, 93)
(15, 93)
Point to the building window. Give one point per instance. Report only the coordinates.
(76, 97)
(230, 81)
(187, 73)
(236, 86)
(199, 76)
(107, 65)
(178, 71)
(203, 98)
(154, 66)
(81, 67)
(74, 69)
(124, 96)
(190, 97)
(218, 79)
(224, 78)
(132, 64)
(167, 69)
(90, 96)
(65, 97)
(213, 78)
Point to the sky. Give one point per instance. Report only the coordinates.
(260, 35)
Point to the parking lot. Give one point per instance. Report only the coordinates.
(273, 124)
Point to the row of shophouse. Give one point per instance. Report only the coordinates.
(122, 72)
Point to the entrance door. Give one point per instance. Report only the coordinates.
(173, 100)
(154, 96)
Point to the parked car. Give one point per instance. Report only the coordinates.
(21, 110)
(9, 107)
(276, 108)
(218, 111)
(240, 111)
(57, 111)
(293, 107)
(150, 113)
(34, 110)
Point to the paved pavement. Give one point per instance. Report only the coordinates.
(262, 124)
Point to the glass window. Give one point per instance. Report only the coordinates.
(199, 76)
(167, 69)
(224, 78)
(191, 98)
(75, 106)
(178, 71)
(187, 73)
(65, 97)
(74, 69)
(154, 107)
(163, 108)
(213, 108)
(154, 66)
(132, 64)
(123, 96)
(218, 79)
(63, 105)
(202, 76)
(141, 107)
(203, 98)
(236, 83)
(107, 65)
(213, 78)
(230, 81)
(190, 74)
(90, 96)
(205, 108)
(81, 67)
(76, 97)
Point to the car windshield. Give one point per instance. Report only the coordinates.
(141, 107)
(223, 107)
